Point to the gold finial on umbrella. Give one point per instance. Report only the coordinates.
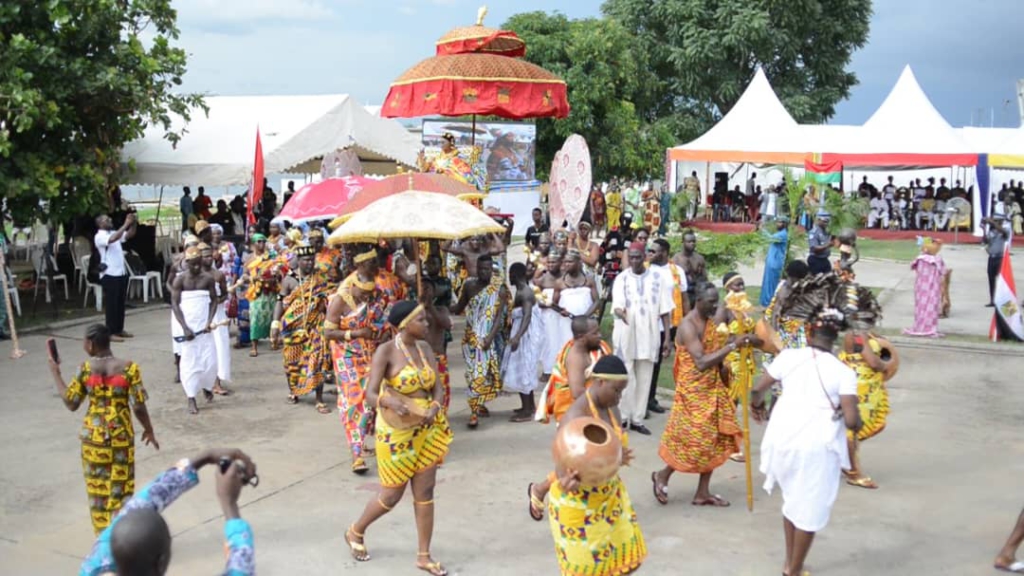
(480, 15)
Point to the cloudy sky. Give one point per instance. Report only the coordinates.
(967, 54)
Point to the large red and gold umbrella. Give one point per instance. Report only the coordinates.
(476, 71)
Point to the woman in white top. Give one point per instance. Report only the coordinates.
(804, 446)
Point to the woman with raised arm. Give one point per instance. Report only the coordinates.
(112, 385)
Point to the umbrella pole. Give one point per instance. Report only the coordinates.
(419, 273)
(472, 136)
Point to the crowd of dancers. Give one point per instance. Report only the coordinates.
(366, 320)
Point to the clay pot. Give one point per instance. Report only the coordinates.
(771, 341)
(589, 446)
(889, 356)
(411, 420)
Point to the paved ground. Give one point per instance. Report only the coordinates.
(949, 465)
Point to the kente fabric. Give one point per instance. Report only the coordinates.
(701, 432)
(483, 367)
(872, 395)
(401, 454)
(352, 359)
(559, 395)
(307, 356)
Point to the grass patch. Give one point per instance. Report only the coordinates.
(897, 250)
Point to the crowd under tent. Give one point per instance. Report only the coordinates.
(296, 132)
(906, 132)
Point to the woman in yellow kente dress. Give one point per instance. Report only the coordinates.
(861, 352)
(595, 528)
(114, 389)
(403, 384)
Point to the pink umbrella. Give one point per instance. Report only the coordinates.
(323, 200)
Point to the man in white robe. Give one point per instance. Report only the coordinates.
(194, 304)
(642, 304)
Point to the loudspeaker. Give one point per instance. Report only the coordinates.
(721, 182)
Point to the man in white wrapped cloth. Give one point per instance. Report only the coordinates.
(221, 334)
(642, 304)
(804, 445)
(194, 305)
(520, 365)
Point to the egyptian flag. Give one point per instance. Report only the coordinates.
(1007, 323)
(256, 187)
(825, 172)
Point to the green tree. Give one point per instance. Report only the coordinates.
(605, 71)
(703, 54)
(79, 79)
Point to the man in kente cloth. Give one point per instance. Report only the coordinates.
(299, 317)
(594, 526)
(702, 432)
(484, 299)
(327, 258)
(449, 163)
(567, 383)
(194, 303)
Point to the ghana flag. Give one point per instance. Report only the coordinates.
(825, 172)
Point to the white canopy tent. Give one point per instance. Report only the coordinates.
(295, 131)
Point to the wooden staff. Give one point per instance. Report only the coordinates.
(17, 352)
(746, 382)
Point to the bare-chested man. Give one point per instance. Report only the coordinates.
(554, 333)
(576, 291)
(221, 334)
(194, 303)
(436, 300)
(590, 251)
(176, 267)
(693, 264)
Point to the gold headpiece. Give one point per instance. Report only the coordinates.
(409, 318)
(201, 225)
(316, 232)
(192, 253)
(369, 254)
(305, 250)
(203, 247)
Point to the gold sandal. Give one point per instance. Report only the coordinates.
(359, 467)
(358, 549)
(434, 568)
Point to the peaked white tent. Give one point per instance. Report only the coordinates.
(757, 129)
(295, 131)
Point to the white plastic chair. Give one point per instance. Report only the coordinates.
(80, 248)
(143, 282)
(12, 287)
(91, 287)
(41, 276)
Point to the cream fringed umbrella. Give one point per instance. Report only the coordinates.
(415, 214)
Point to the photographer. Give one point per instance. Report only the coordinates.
(138, 541)
(112, 270)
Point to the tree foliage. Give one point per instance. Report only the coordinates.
(704, 53)
(605, 73)
(78, 80)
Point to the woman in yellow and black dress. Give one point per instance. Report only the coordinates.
(403, 382)
(114, 389)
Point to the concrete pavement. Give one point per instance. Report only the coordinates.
(948, 464)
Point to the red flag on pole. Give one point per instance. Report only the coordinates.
(256, 187)
(1007, 322)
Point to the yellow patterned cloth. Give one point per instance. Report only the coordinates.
(483, 367)
(108, 437)
(701, 432)
(872, 395)
(306, 354)
(740, 361)
(401, 454)
(595, 530)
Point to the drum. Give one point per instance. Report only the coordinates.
(411, 420)
(771, 342)
(589, 446)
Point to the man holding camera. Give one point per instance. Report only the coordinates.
(112, 270)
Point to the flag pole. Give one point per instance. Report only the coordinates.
(745, 400)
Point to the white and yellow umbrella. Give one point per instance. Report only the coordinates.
(415, 214)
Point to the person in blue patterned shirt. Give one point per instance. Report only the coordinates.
(138, 540)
